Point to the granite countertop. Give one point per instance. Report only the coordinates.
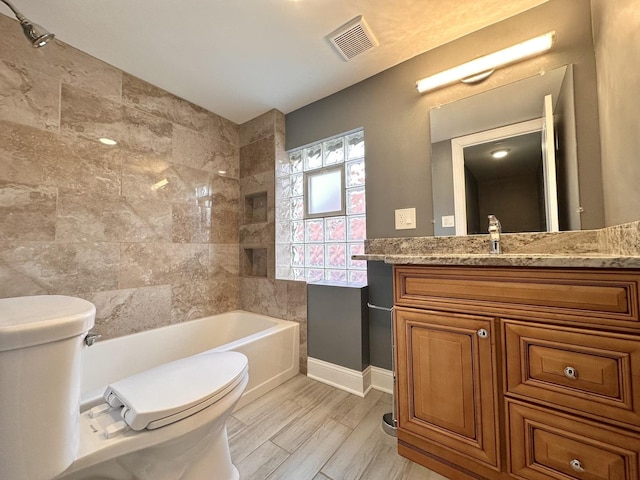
(611, 247)
(510, 260)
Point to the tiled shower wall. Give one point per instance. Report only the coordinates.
(262, 143)
(146, 230)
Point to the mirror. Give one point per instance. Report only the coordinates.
(468, 183)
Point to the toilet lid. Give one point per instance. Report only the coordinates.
(173, 391)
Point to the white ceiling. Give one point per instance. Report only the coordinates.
(241, 58)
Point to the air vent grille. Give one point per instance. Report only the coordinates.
(353, 38)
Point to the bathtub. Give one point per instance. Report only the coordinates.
(270, 344)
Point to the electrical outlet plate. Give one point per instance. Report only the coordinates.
(405, 218)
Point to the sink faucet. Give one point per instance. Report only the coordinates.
(495, 229)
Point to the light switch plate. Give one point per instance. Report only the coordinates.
(405, 218)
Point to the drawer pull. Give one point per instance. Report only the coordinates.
(482, 333)
(570, 373)
(576, 465)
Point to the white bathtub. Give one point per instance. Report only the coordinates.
(270, 344)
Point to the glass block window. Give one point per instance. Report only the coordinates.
(321, 211)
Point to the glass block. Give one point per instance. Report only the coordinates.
(355, 201)
(283, 169)
(356, 228)
(355, 173)
(283, 232)
(335, 255)
(297, 273)
(357, 249)
(313, 157)
(314, 274)
(284, 272)
(335, 229)
(283, 255)
(358, 276)
(314, 255)
(297, 255)
(295, 162)
(283, 188)
(355, 145)
(333, 151)
(336, 275)
(297, 231)
(283, 211)
(297, 208)
(297, 185)
(314, 231)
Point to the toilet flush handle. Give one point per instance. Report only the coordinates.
(91, 338)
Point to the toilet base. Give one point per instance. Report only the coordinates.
(199, 451)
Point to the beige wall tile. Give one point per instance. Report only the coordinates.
(257, 157)
(146, 176)
(122, 312)
(190, 223)
(33, 268)
(27, 212)
(28, 98)
(151, 99)
(224, 224)
(205, 152)
(144, 264)
(224, 260)
(224, 129)
(86, 217)
(90, 116)
(258, 128)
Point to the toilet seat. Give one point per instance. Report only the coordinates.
(173, 391)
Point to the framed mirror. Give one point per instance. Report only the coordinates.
(526, 190)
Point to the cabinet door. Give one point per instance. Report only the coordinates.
(446, 384)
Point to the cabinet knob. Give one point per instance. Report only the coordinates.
(570, 373)
(482, 333)
(576, 465)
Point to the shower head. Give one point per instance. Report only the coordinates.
(37, 35)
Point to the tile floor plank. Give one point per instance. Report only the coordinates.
(259, 464)
(306, 461)
(355, 454)
(306, 430)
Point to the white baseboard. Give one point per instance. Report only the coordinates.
(352, 381)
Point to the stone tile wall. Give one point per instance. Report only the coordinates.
(262, 143)
(146, 230)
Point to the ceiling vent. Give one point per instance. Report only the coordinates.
(353, 38)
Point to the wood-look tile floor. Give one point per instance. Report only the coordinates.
(306, 430)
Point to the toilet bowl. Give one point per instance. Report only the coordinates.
(165, 423)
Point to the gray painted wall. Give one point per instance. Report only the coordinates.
(616, 29)
(396, 121)
(338, 325)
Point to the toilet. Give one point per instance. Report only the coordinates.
(165, 423)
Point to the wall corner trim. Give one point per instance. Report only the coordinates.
(352, 381)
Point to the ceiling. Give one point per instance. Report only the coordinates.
(241, 58)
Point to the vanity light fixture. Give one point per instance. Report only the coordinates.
(477, 70)
(107, 141)
(500, 153)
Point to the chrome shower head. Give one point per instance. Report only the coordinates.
(37, 35)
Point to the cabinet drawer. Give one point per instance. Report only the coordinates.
(545, 445)
(603, 297)
(588, 373)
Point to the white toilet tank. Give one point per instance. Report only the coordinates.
(41, 339)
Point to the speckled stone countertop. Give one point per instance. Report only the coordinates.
(611, 247)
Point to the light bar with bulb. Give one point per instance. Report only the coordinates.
(529, 48)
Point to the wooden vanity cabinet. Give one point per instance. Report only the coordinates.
(517, 372)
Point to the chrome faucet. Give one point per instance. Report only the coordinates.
(495, 229)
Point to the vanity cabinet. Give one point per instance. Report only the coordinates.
(519, 372)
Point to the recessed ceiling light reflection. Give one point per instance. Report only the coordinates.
(500, 153)
(108, 141)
